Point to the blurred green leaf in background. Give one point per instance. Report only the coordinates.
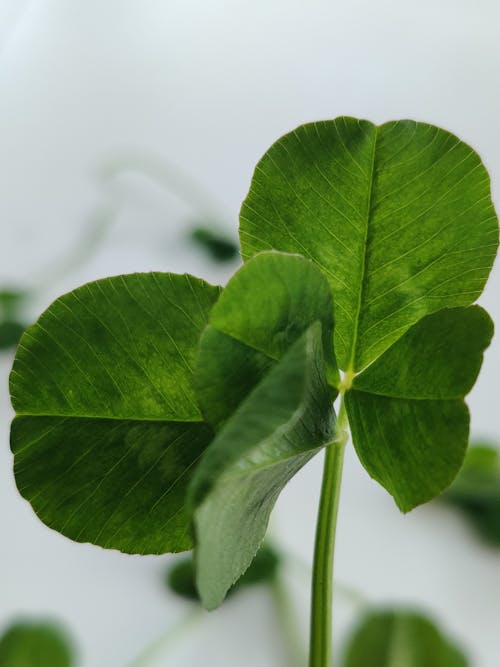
(36, 644)
(476, 491)
(400, 638)
(11, 323)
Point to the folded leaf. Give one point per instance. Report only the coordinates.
(281, 424)
(270, 301)
(263, 569)
(108, 428)
(400, 638)
(399, 218)
(409, 423)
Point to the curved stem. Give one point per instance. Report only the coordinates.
(167, 175)
(320, 651)
(84, 248)
(172, 634)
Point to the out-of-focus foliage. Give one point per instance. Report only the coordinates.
(11, 325)
(219, 247)
(181, 575)
(35, 644)
(476, 491)
(400, 638)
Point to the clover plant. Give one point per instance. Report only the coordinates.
(157, 413)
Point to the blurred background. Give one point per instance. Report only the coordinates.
(124, 126)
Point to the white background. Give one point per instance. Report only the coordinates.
(208, 86)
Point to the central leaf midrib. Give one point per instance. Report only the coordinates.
(406, 397)
(397, 653)
(362, 277)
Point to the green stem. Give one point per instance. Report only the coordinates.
(288, 622)
(159, 646)
(167, 175)
(320, 652)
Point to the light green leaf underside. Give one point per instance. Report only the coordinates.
(400, 639)
(109, 430)
(263, 570)
(270, 302)
(280, 425)
(30, 644)
(399, 217)
(408, 420)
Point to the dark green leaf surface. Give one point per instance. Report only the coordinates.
(108, 428)
(10, 333)
(263, 569)
(30, 644)
(409, 423)
(399, 217)
(281, 424)
(476, 491)
(265, 307)
(438, 358)
(413, 448)
(400, 639)
(219, 247)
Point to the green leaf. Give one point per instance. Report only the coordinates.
(35, 644)
(409, 423)
(281, 424)
(108, 428)
(399, 217)
(476, 491)
(400, 638)
(266, 308)
(263, 569)
(269, 302)
(438, 358)
(413, 448)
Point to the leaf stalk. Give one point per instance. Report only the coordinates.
(320, 647)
